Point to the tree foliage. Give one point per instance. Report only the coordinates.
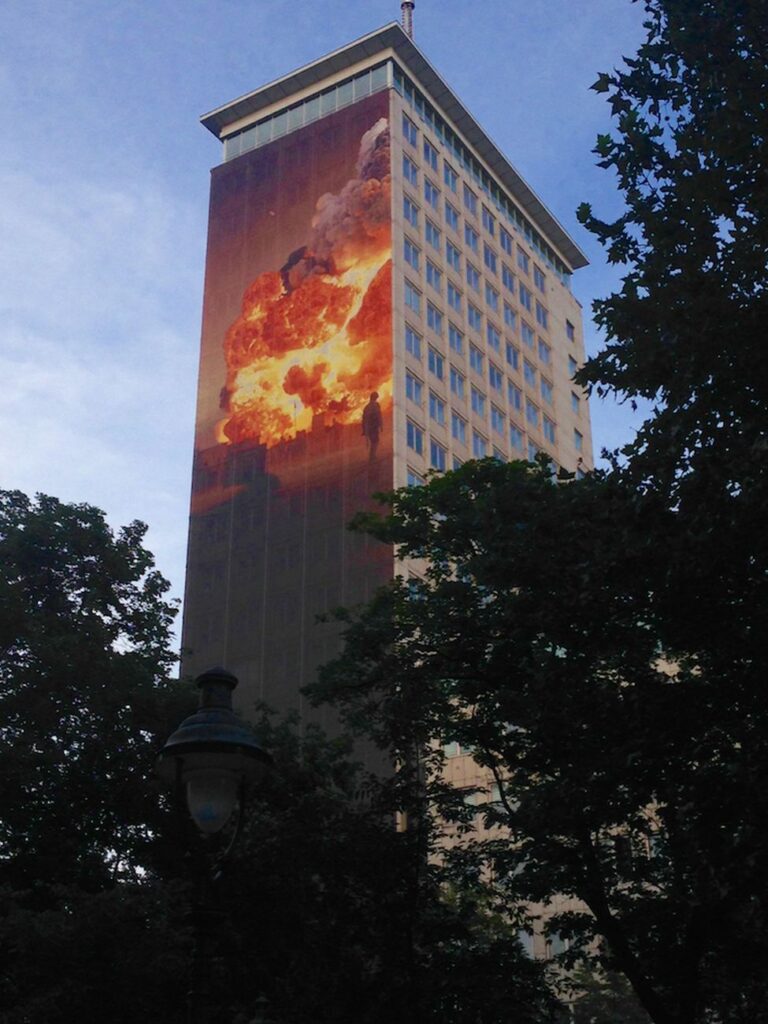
(326, 909)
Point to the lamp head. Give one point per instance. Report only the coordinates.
(213, 752)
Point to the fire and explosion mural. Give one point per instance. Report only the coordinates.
(294, 402)
(315, 337)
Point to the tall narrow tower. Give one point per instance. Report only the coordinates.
(384, 296)
(407, 7)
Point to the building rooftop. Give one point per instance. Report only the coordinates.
(392, 37)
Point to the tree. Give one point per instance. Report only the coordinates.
(325, 908)
(534, 637)
(686, 329)
(84, 656)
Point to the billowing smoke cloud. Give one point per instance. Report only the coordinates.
(315, 336)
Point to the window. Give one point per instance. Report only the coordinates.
(495, 376)
(542, 316)
(533, 451)
(470, 200)
(514, 396)
(450, 177)
(434, 319)
(412, 297)
(529, 337)
(529, 373)
(498, 419)
(570, 331)
(531, 413)
(410, 212)
(507, 278)
(413, 388)
(513, 356)
(493, 337)
(510, 317)
(475, 317)
(490, 258)
(546, 390)
(432, 234)
(473, 277)
(431, 194)
(545, 352)
(491, 297)
(430, 155)
(572, 366)
(437, 456)
(578, 440)
(409, 130)
(499, 455)
(457, 463)
(549, 429)
(414, 479)
(451, 216)
(471, 237)
(476, 359)
(505, 240)
(457, 383)
(414, 437)
(436, 409)
(411, 253)
(454, 297)
(489, 221)
(479, 445)
(478, 402)
(412, 343)
(436, 363)
(453, 256)
(455, 339)
(526, 298)
(575, 403)
(539, 279)
(516, 437)
(458, 428)
(410, 171)
(523, 260)
(434, 276)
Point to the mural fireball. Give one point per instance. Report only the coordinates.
(315, 337)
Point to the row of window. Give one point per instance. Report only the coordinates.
(432, 198)
(413, 257)
(485, 184)
(308, 110)
(436, 321)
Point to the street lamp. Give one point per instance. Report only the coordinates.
(212, 756)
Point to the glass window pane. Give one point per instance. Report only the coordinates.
(379, 78)
(328, 102)
(312, 109)
(362, 85)
(296, 117)
(279, 124)
(264, 132)
(232, 146)
(343, 94)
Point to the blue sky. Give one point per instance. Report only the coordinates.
(104, 191)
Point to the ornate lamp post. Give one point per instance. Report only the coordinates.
(212, 756)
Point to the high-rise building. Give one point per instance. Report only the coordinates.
(384, 296)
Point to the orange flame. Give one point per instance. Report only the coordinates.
(315, 338)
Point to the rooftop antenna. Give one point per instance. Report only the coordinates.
(407, 7)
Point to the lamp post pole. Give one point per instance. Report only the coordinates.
(212, 755)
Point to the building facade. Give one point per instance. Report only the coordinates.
(384, 296)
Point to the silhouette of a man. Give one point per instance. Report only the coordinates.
(373, 424)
